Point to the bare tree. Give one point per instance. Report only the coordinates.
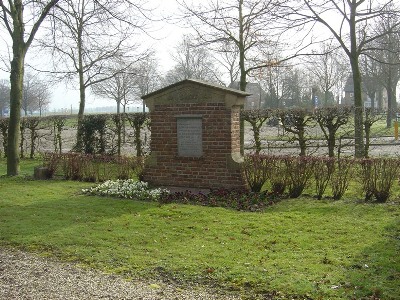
(371, 76)
(330, 119)
(328, 68)
(87, 34)
(353, 33)
(4, 96)
(387, 54)
(244, 25)
(285, 86)
(275, 86)
(228, 57)
(147, 77)
(43, 97)
(22, 30)
(36, 94)
(192, 61)
(120, 87)
(29, 101)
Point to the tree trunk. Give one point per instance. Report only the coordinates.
(358, 110)
(326, 96)
(367, 139)
(302, 142)
(81, 112)
(138, 141)
(16, 79)
(82, 91)
(256, 132)
(390, 98)
(380, 99)
(243, 73)
(331, 142)
(123, 123)
(355, 67)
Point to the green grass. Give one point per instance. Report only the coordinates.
(323, 249)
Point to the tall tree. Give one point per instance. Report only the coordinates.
(147, 77)
(371, 70)
(244, 25)
(328, 67)
(87, 35)
(36, 94)
(192, 61)
(285, 86)
(4, 96)
(349, 23)
(118, 87)
(228, 57)
(387, 53)
(22, 32)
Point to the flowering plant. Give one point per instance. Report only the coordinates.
(129, 189)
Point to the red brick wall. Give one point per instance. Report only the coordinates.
(221, 138)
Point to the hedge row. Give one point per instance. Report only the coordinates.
(101, 134)
(92, 168)
(288, 175)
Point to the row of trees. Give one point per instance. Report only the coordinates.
(103, 134)
(333, 123)
(36, 95)
(93, 41)
(254, 30)
(108, 134)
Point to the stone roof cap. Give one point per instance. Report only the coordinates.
(201, 83)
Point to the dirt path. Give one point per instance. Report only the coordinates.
(27, 276)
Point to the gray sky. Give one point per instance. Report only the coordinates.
(165, 37)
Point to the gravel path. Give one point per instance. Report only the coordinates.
(26, 276)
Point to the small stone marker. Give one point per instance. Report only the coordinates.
(41, 173)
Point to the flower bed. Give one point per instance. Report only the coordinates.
(129, 189)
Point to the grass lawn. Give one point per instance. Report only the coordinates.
(316, 249)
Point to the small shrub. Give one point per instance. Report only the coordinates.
(72, 167)
(57, 124)
(298, 171)
(378, 176)
(366, 166)
(93, 134)
(137, 121)
(323, 169)
(277, 176)
(341, 176)
(52, 162)
(32, 124)
(256, 169)
(94, 168)
(256, 118)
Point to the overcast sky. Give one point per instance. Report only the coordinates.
(166, 36)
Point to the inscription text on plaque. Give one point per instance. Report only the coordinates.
(190, 136)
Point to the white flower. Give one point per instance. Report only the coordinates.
(129, 189)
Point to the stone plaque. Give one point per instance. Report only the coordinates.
(190, 136)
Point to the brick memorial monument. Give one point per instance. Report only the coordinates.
(195, 136)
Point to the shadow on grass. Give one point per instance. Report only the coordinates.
(375, 273)
(46, 214)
